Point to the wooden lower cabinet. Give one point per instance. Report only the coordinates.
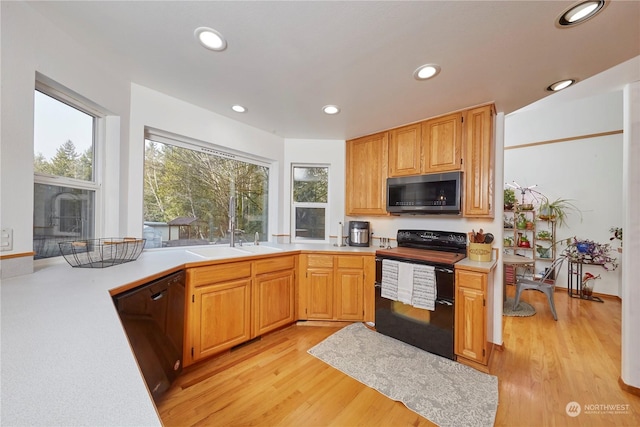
(221, 317)
(274, 301)
(336, 287)
(349, 295)
(471, 343)
(319, 284)
(231, 303)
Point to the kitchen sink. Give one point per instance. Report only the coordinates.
(259, 249)
(218, 252)
(221, 252)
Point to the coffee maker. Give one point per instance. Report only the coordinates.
(358, 233)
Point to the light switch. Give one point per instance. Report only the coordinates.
(6, 239)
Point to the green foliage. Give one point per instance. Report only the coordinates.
(558, 210)
(180, 182)
(311, 186)
(66, 163)
(509, 196)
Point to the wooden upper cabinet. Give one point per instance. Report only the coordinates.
(478, 167)
(366, 175)
(405, 150)
(442, 144)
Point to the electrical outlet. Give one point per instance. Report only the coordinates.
(6, 239)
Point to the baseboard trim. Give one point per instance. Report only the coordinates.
(595, 294)
(628, 388)
(334, 323)
(20, 255)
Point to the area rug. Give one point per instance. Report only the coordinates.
(524, 309)
(443, 391)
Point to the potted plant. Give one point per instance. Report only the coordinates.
(508, 221)
(543, 252)
(557, 210)
(524, 242)
(521, 221)
(509, 199)
(508, 241)
(586, 251)
(544, 235)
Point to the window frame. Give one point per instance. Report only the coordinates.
(185, 142)
(61, 94)
(326, 205)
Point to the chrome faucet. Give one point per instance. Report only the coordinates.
(256, 239)
(232, 221)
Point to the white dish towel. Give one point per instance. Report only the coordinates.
(424, 287)
(389, 285)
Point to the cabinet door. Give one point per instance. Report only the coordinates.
(320, 293)
(366, 175)
(470, 324)
(349, 295)
(405, 150)
(442, 144)
(220, 317)
(478, 163)
(273, 301)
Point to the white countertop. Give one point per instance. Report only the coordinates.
(65, 359)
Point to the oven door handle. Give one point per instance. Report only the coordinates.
(444, 302)
(440, 269)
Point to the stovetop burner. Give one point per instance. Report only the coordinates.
(442, 247)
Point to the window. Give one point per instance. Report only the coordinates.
(310, 203)
(65, 186)
(187, 193)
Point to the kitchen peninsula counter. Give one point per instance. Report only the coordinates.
(65, 358)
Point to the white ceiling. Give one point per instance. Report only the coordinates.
(285, 60)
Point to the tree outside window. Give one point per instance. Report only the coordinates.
(187, 194)
(64, 182)
(310, 202)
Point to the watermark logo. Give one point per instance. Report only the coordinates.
(573, 409)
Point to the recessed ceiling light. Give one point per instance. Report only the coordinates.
(562, 84)
(426, 71)
(239, 109)
(580, 12)
(331, 109)
(210, 38)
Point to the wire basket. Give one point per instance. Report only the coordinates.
(100, 253)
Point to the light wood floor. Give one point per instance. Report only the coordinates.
(544, 366)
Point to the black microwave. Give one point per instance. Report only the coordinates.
(436, 193)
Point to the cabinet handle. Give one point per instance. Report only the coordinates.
(159, 295)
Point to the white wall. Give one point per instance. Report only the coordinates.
(31, 44)
(316, 151)
(588, 171)
(157, 110)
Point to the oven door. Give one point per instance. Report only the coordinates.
(428, 330)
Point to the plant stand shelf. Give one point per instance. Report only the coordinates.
(575, 273)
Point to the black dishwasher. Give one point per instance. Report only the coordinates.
(153, 317)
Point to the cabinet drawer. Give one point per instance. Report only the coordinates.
(320, 261)
(218, 273)
(471, 279)
(356, 261)
(275, 264)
